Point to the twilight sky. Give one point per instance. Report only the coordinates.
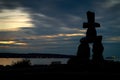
(55, 26)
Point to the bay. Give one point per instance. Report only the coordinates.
(34, 61)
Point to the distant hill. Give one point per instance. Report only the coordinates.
(33, 55)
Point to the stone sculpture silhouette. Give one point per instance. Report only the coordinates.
(83, 53)
(91, 31)
(97, 50)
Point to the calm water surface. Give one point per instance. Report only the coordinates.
(34, 61)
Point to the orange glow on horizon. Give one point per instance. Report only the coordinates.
(9, 61)
(55, 36)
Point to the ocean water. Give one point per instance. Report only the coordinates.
(34, 61)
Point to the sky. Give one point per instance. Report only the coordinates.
(56, 26)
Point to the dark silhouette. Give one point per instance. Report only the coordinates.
(23, 63)
(33, 55)
(83, 52)
(91, 34)
(97, 50)
(91, 31)
(73, 60)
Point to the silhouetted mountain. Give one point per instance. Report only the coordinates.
(33, 55)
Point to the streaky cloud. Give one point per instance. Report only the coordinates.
(14, 19)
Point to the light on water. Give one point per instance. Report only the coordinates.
(34, 61)
(9, 61)
(44, 61)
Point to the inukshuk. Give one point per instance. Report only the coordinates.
(83, 52)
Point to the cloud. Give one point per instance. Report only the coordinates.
(55, 25)
(12, 43)
(37, 37)
(110, 3)
(45, 24)
(11, 46)
(14, 19)
(115, 39)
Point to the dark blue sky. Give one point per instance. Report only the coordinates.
(55, 26)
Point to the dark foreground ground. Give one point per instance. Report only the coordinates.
(107, 70)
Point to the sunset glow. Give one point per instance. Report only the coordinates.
(9, 61)
(12, 43)
(14, 20)
(56, 26)
(55, 36)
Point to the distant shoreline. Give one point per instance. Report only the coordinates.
(34, 55)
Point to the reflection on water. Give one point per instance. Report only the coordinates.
(48, 60)
(9, 61)
(34, 61)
